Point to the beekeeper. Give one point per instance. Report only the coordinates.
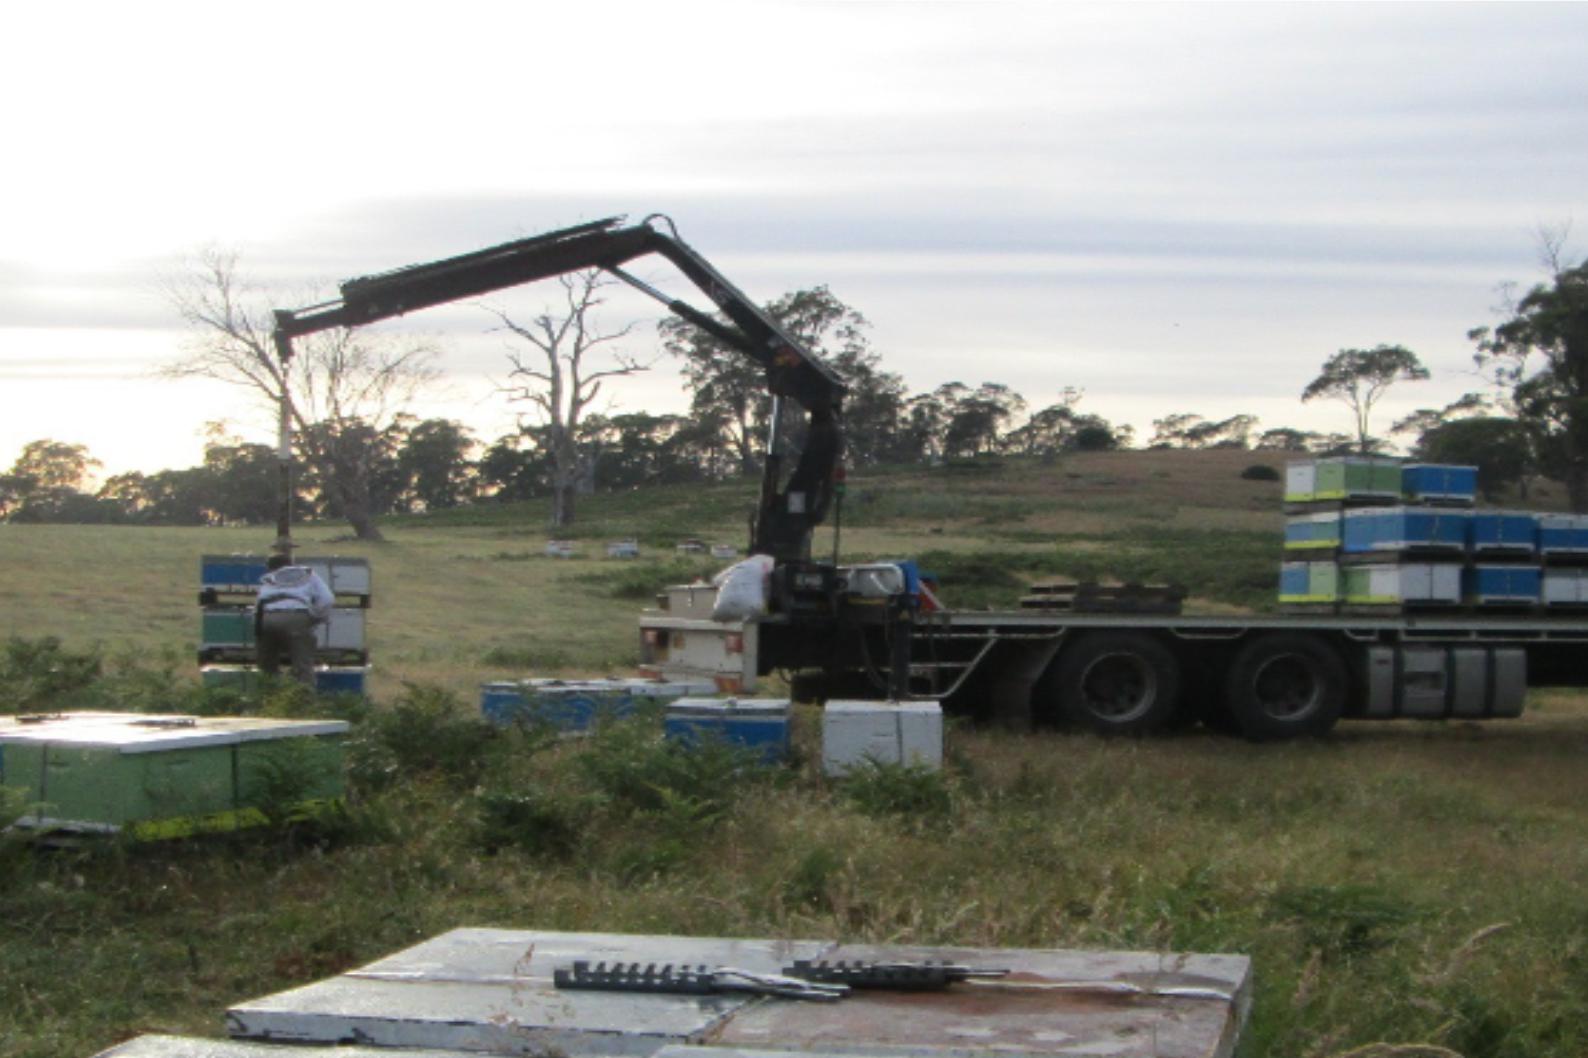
(292, 601)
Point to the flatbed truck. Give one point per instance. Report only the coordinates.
(1266, 676)
(870, 630)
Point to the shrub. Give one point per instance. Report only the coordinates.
(680, 786)
(534, 821)
(915, 791)
(427, 732)
(35, 673)
(1260, 472)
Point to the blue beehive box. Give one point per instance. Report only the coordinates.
(231, 573)
(328, 679)
(577, 705)
(758, 724)
(568, 705)
(1486, 585)
(1391, 529)
(1313, 532)
(1563, 534)
(1439, 483)
(340, 680)
(1515, 532)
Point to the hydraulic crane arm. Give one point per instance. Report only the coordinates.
(788, 512)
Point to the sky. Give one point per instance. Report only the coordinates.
(1175, 208)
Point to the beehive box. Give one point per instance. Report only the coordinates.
(1313, 532)
(560, 549)
(1309, 582)
(577, 705)
(328, 679)
(1394, 529)
(1439, 483)
(907, 733)
(1365, 478)
(1514, 532)
(623, 549)
(228, 631)
(758, 724)
(240, 574)
(1563, 534)
(165, 776)
(1492, 585)
(1564, 587)
(1403, 583)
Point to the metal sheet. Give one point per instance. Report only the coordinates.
(191, 1047)
(159, 1046)
(489, 990)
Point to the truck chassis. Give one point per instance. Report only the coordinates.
(1264, 676)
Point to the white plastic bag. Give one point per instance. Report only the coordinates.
(741, 590)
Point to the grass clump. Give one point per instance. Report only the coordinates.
(643, 579)
(1343, 921)
(911, 791)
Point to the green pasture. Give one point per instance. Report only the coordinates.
(1398, 884)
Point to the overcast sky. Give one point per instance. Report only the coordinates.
(1181, 208)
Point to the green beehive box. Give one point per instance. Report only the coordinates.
(1357, 478)
(165, 776)
(227, 626)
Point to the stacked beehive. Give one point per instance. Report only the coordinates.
(228, 586)
(1369, 532)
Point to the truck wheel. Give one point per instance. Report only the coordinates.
(1118, 683)
(1286, 686)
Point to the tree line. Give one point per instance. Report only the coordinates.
(362, 454)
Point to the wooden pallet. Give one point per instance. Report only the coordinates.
(1091, 597)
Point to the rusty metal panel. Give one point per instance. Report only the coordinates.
(1073, 1003)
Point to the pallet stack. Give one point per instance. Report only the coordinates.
(228, 586)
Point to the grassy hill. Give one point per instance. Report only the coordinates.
(1395, 882)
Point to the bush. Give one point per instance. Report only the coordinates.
(914, 791)
(680, 786)
(1260, 472)
(533, 821)
(36, 673)
(427, 732)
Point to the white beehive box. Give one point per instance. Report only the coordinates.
(623, 549)
(560, 549)
(908, 733)
(1566, 587)
(1401, 583)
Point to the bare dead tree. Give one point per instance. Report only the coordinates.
(561, 378)
(342, 386)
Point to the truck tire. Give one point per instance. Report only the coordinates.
(1118, 683)
(1286, 686)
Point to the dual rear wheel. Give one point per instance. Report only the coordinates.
(1280, 685)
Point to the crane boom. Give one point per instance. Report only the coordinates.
(788, 511)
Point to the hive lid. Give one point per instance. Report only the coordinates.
(148, 733)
